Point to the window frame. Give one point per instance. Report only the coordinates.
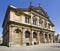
(34, 21)
(34, 35)
(45, 24)
(48, 26)
(40, 22)
(27, 19)
(27, 34)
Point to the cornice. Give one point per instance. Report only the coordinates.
(21, 24)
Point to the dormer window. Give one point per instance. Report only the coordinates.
(27, 20)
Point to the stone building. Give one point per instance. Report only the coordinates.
(57, 38)
(27, 26)
(1, 40)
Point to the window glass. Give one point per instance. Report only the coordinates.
(34, 21)
(34, 35)
(27, 34)
(27, 20)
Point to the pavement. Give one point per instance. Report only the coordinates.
(41, 47)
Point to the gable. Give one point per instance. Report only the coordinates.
(39, 11)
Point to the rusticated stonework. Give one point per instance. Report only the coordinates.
(27, 26)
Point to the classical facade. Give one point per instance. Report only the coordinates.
(27, 26)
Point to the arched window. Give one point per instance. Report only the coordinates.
(45, 35)
(17, 30)
(41, 33)
(17, 33)
(27, 34)
(34, 35)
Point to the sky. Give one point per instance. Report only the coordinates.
(50, 6)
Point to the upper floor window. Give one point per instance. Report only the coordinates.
(40, 22)
(27, 20)
(45, 24)
(34, 21)
(48, 26)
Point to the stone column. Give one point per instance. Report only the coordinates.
(37, 21)
(47, 38)
(10, 36)
(31, 37)
(23, 37)
(43, 37)
(31, 22)
(38, 38)
(51, 38)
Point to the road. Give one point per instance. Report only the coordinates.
(41, 47)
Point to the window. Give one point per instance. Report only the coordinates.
(34, 35)
(27, 20)
(45, 35)
(45, 24)
(35, 43)
(34, 20)
(27, 44)
(17, 31)
(48, 26)
(27, 34)
(40, 22)
(41, 33)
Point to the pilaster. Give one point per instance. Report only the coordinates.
(10, 35)
(47, 38)
(43, 37)
(23, 37)
(38, 37)
(31, 38)
(52, 38)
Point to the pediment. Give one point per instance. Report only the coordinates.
(39, 11)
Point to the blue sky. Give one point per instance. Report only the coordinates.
(50, 6)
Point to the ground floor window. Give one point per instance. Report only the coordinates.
(27, 44)
(35, 43)
(34, 35)
(27, 34)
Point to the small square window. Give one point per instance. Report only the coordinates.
(27, 44)
(35, 43)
